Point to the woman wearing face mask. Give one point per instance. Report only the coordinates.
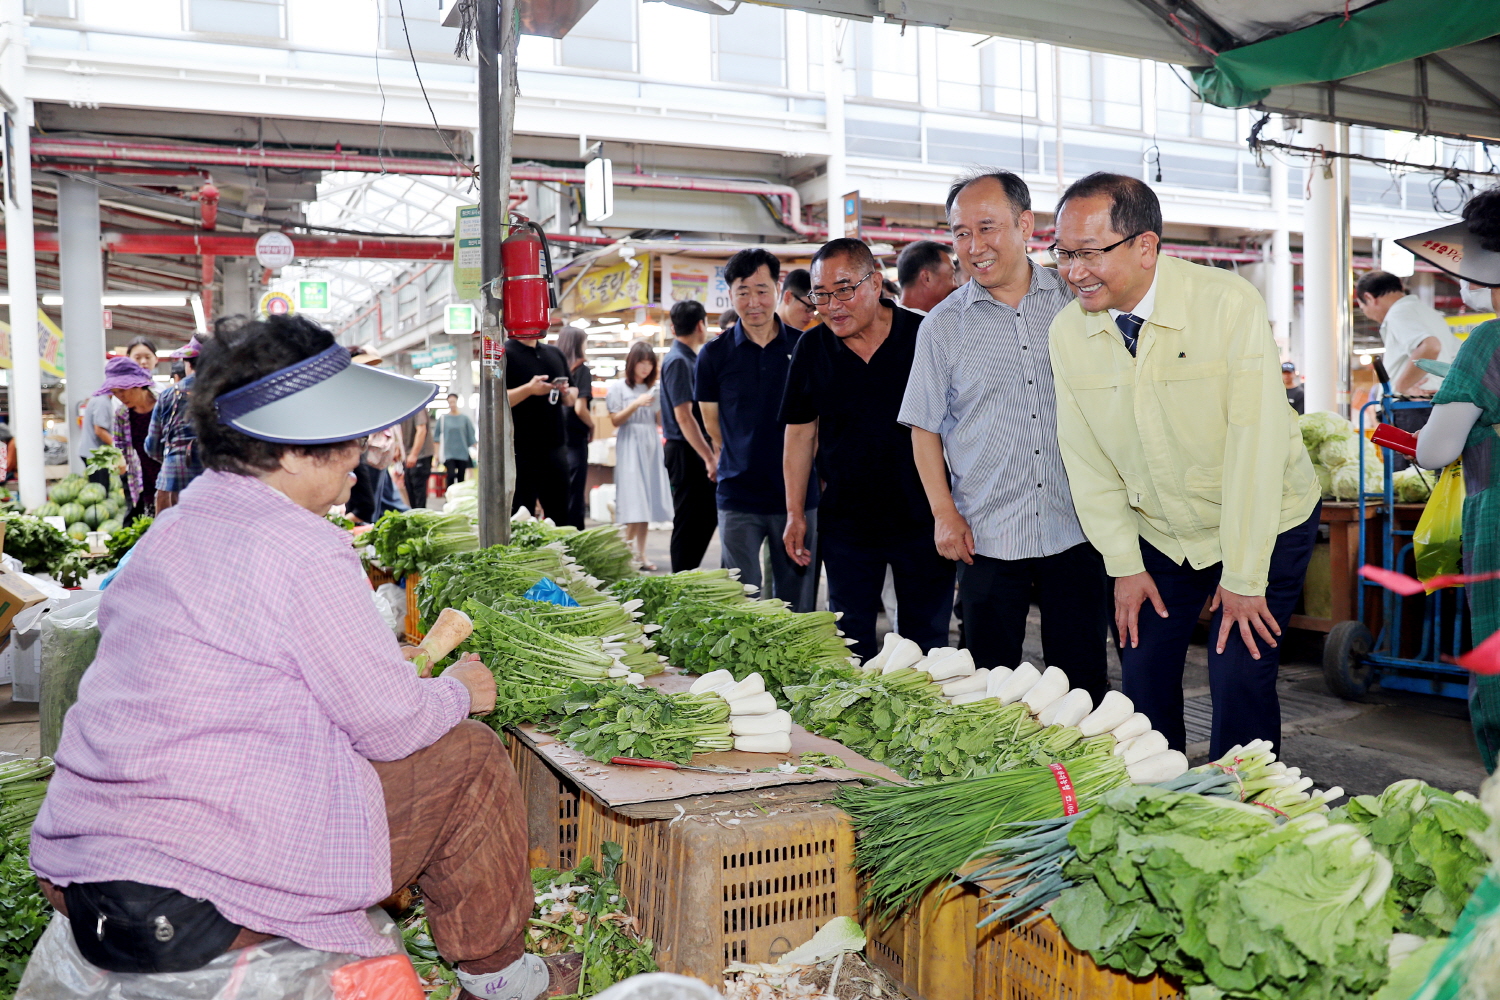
(1466, 421)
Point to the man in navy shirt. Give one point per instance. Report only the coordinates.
(847, 380)
(741, 377)
(688, 454)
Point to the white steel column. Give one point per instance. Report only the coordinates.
(834, 35)
(1343, 288)
(1325, 277)
(1280, 283)
(82, 275)
(26, 372)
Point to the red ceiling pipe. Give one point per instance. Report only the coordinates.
(208, 202)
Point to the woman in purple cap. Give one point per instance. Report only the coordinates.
(132, 386)
(171, 440)
(250, 755)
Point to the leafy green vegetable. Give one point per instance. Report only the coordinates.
(409, 541)
(1412, 485)
(123, 541)
(105, 458)
(657, 593)
(584, 911)
(785, 647)
(865, 712)
(40, 547)
(1425, 834)
(1214, 891)
(1322, 426)
(627, 721)
(24, 913)
(339, 521)
(496, 573)
(22, 788)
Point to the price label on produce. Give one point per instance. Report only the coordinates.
(1065, 789)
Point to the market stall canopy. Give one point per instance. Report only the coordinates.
(1411, 65)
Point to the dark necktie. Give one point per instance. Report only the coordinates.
(1130, 328)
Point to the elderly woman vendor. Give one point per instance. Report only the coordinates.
(250, 755)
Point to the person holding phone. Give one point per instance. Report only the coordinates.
(541, 396)
(642, 492)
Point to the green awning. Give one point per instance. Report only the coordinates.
(1373, 37)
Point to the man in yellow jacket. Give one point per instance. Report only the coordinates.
(1184, 459)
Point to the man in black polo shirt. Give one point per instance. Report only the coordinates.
(687, 453)
(741, 376)
(536, 377)
(847, 380)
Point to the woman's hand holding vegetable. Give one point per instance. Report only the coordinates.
(1246, 612)
(954, 537)
(474, 675)
(1130, 593)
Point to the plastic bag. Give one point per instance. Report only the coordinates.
(547, 591)
(1439, 535)
(390, 601)
(275, 970)
(70, 637)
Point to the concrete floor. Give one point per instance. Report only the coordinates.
(1361, 746)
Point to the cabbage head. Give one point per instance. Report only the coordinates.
(1345, 480)
(1338, 452)
(1413, 485)
(1323, 426)
(1325, 479)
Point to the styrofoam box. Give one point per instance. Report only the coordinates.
(26, 665)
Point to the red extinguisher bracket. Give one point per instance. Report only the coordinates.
(527, 293)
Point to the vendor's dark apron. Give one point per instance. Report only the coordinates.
(130, 927)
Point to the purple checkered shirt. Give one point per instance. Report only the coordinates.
(221, 740)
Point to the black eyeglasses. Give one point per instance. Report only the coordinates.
(1089, 255)
(842, 294)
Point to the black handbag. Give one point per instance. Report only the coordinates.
(130, 927)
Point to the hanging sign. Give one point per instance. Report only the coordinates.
(49, 343)
(444, 354)
(312, 295)
(601, 290)
(854, 215)
(459, 320)
(274, 249)
(421, 359)
(694, 279)
(468, 253)
(598, 189)
(277, 304)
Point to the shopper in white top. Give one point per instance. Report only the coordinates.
(1410, 330)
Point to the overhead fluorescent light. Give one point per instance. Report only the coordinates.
(199, 319)
(163, 299)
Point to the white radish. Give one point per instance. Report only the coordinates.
(1052, 685)
(977, 681)
(766, 743)
(960, 664)
(779, 721)
(1114, 708)
(1069, 710)
(905, 654)
(971, 697)
(710, 680)
(878, 660)
(756, 704)
(938, 653)
(1158, 767)
(998, 677)
(1124, 745)
(751, 685)
(1018, 683)
(1136, 725)
(1145, 746)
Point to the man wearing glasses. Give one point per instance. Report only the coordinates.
(741, 375)
(981, 391)
(1186, 465)
(847, 378)
(795, 310)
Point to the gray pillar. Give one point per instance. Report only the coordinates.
(82, 274)
(235, 273)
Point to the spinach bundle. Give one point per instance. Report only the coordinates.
(657, 593)
(24, 912)
(1425, 834)
(498, 572)
(784, 647)
(1216, 891)
(627, 721)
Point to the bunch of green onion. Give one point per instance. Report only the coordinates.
(410, 541)
(22, 789)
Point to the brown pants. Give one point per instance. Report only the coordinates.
(458, 829)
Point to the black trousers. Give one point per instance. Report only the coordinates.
(1074, 595)
(695, 509)
(542, 484)
(1246, 706)
(578, 483)
(416, 481)
(456, 469)
(855, 564)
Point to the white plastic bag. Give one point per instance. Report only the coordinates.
(659, 986)
(276, 970)
(390, 601)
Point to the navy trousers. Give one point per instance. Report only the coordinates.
(1244, 689)
(856, 574)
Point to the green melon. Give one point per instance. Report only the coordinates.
(115, 507)
(93, 514)
(79, 531)
(71, 512)
(110, 526)
(48, 509)
(118, 496)
(91, 493)
(63, 491)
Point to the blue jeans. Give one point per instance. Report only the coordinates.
(1246, 706)
(740, 539)
(856, 574)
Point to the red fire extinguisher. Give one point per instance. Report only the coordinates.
(529, 295)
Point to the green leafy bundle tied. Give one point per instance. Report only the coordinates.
(657, 593)
(785, 647)
(22, 788)
(1425, 834)
(601, 552)
(409, 541)
(866, 712)
(627, 721)
(493, 574)
(1218, 892)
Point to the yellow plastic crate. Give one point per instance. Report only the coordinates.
(1035, 962)
(929, 950)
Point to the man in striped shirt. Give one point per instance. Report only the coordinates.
(981, 390)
